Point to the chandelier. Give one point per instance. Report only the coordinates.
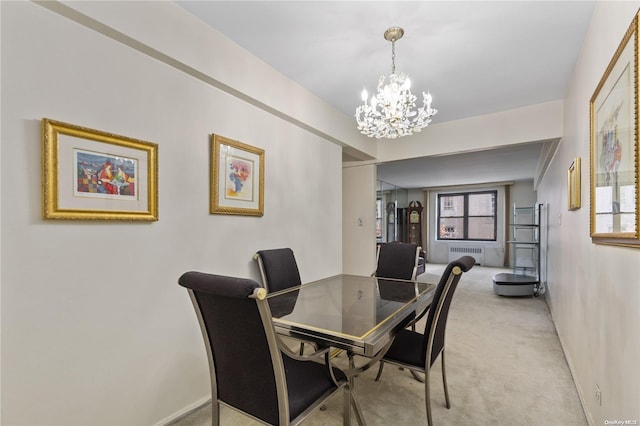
(392, 112)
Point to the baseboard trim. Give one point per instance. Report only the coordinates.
(184, 412)
(586, 412)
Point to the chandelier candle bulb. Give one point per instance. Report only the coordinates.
(392, 112)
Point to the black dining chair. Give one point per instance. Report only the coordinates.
(279, 271)
(278, 268)
(411, 349)
(397, 260)
(251, 370)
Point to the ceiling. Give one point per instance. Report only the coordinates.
(475, 57)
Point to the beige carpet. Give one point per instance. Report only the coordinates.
(504, 366)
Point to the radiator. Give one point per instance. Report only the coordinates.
(475, 252)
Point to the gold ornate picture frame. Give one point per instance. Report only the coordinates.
(614, 148)
(573, 185)
(236, 178)
(89, 174)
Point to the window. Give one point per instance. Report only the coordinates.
(467, 216)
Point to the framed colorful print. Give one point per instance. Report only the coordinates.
(573, 184)
(237, 178)
(614, 148)
(92, 175)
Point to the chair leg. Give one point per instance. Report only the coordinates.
(354, 402)
(215, 413)
(416, 376)
(380, 370)
(427, 396)
(346, 407)
(356, 408)
(444, 381)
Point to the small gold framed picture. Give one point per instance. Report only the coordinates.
(237, 178)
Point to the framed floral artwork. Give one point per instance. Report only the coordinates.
(89, 174)
(614, 148)
(237, 178)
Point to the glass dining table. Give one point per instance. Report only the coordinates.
(359, 314)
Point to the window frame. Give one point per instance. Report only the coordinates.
(465, 216)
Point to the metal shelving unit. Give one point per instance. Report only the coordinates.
(525, 251)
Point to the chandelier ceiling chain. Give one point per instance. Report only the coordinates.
(392, 112)
(393, 34)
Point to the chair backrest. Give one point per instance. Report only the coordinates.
(397, 260)
(436, 324)
(245, 363)
(278, 269)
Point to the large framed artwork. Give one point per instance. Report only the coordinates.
(93, 175)
(237, 178)
(614, 148)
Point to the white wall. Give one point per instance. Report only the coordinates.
(165, 31)
(528, 124)
(359, 219)
(95, 329)
(521, 194)
(593, 290)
